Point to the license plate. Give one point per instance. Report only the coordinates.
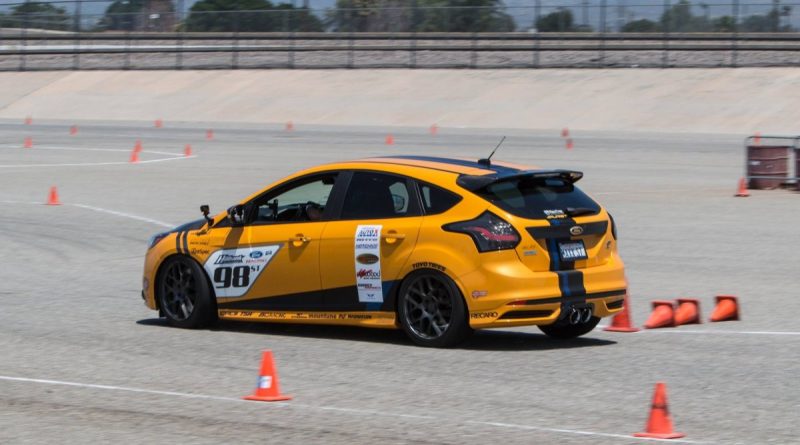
(572, 250)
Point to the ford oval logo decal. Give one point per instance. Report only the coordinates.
(367, 258)
(576, 230)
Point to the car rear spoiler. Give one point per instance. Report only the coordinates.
(477, 182)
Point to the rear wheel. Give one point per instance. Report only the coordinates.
(431, 310)
(184, 295)
(563, 330)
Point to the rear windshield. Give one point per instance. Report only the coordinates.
(538, 198)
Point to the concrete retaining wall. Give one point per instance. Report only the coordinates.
(675, 100)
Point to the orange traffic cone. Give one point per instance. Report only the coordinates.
(659, 425)
(187, 151)
(570, 144)
(565, 132)
(267, 389)
(727, 308)
(209, 134)
(134, 157)
(688, 311)
(290, 126)
(662, 316)
(28, 120)
(52, 199)
(742, 192)
(434, 130)
(28, 142)
(73, 130)
(137, 147)
(622, 321)
(159, 123)
(389, 139)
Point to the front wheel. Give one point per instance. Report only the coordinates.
(431, 310)
(184, 295)
(563, 330)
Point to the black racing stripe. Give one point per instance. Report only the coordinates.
(186, 242)
(343, 299)
(562, 231)
(570, 281)
(462, 162)
(178, 242)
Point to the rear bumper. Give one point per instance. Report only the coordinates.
(508, 293)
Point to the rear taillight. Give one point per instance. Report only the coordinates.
(613, 226)
(488, 231)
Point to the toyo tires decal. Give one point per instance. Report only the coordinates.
(368, 264)
(233, 271)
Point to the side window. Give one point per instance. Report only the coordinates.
(304, 200)
(373, 195)
(436, 199)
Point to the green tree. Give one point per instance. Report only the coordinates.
(249, 16)
(122, 14)
(39, 15)
(641, 25)
(419, 15)
(558, 21)
(725, 23)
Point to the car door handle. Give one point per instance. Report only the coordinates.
(392, 236)
(299, 239)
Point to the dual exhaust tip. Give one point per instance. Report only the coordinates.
(580, 315)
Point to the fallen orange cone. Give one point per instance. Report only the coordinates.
(742, 192)
(659, 424)
(663, 316)
(727, 308)
(52, 199)
(688, 311)
(267, 389)
(622, 321)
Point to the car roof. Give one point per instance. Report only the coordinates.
(452, 165)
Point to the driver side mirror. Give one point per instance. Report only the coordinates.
(236, 215)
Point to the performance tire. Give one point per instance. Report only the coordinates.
(431, 310)
(184, 295)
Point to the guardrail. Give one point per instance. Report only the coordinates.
(28, 49)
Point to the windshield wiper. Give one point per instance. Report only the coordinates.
(578, 211)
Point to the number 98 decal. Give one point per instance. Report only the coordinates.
(233, 271)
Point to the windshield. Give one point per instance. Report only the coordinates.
(538, 198)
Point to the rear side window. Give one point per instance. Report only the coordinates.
(373, 195)
(436, 199)
(539, 198)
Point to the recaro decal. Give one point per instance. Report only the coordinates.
(368, 271)
(233, 271)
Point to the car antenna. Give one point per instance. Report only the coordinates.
(488, 161)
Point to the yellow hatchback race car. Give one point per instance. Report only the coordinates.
(434, 246)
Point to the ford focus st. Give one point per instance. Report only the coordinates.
(436, 247)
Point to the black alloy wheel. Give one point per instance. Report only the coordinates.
(431, 310)
(184, 294)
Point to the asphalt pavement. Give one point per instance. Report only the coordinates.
(82, 359)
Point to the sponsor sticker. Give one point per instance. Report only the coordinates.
(233, 271)
(482, 315)
(368, 264)
(554, 214)
(265, 382)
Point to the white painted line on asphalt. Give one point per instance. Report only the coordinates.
(708, 332)
(95, 164)
(323, 408)
(124, 215)
(578, 432)
(102, 210)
